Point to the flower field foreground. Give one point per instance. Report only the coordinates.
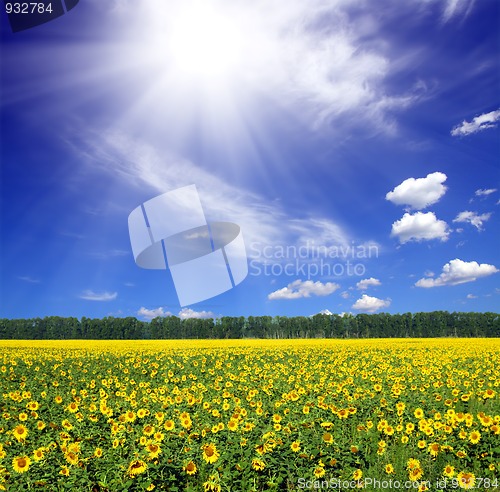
(249, 415)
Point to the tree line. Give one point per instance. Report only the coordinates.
(382, 325)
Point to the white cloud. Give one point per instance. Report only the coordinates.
(309, 55)
(485, 192)
(456, 7)
(472, 218)
(479, 123)
(345, 295)
(113, 253)
(150, 314)
(90, 295)
(419, 227)
(458, 272)
(30, 280)
(299, 289)
(419, 193)
(370, 304)
(368, 282)
(186, 313)
(262, 223)
(326, 312)
(471, 296)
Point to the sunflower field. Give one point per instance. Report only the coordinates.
(250, 415)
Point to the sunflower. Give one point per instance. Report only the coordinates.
(98, 452)
(258, 464)
(20, 432)
(466, 480)
(389, 430)
(433, 449)
(415, 473)
(64, 471)
(210, 453)
(389, 468)
(357, 474)
(169, 425)
(153, 450)
(232, 425)
(419, 413)
(211, 484)
(474, 437)
(136, 467)
(67, 424)
(295, 446)
(319, 471)
(328, 437)
(40, 425)
(148, 430)
(449, 471)
(158, 436)
(23, 417)
(71, 457)
(39, 454)
(72, 407)
(190, 468)
(21, 464)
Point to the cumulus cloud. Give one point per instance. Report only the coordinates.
(485, 192)
(479, 123)
(150, 314)
(90, 295)
(326, 312)
(420, 227)
(307, 288)
(368, 282)
(370, 304)
(186, 313)
(472, 218)
(458, 272)
(419, 193)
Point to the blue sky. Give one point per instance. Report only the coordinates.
(355, 143)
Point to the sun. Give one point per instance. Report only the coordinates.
(204, 43)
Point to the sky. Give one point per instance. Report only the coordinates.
(355, 143)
